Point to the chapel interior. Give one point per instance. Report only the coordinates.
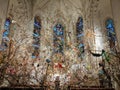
(60, 44)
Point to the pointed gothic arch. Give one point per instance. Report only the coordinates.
(80, 36)
(6, 32)
(36, 36)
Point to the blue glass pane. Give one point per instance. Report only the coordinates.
(5, 34)
(37, 24)
(80, 24)
(80, 35)
(101, 72)
(109, 24)
(7, 22)
(36, 35)
(36, 45)
(81, 45)
(5, 38)
(33, 57)
(6, 27)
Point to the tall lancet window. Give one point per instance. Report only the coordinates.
(80, 36)
(6, 31)
(111, 34)
(36, 37)
(58, 38)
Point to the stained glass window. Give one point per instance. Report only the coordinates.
(36, 37)
(58, 38)
(6, 31)
(111, 33)
(80, 34)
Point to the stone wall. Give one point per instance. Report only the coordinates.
(3, 9)
(115, 6)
